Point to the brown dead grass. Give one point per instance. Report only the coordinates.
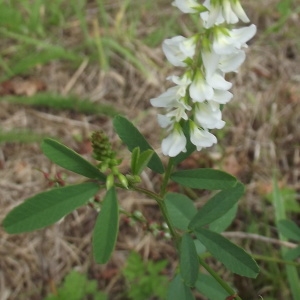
(262, 135)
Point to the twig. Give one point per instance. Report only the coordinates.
(253, 236)
(75, 77)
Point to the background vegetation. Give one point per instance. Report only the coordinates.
(67, 67)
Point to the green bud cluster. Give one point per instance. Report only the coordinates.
(103, 152)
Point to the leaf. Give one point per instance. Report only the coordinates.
(200, 248)
(106, 228)
(130, 135)
(178, 290)
(139, 161)
(292, 254)
(70, 160)
(217, 206)
(144, 160)
(189, 263)
(289, 229)
(134, 160)
(223, 222)
(210, 288)
(48, 207)
(233, 257)
(208, 179)
(181, 210)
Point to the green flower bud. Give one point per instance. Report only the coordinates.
(110, 181)
(123, 180)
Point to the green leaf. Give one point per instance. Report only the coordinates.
(130, 135)
(70, 160)
(181, 210)
(223, 222)
(233, 257)
(289, 229)
(208, 179)
(144, 160)
(178, 290)
(106, 228)
(210, 288)
(217, 206)
(189, 263)
(292, 254)
(48, 207)
(134, 160)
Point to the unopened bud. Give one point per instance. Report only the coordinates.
(123, 180)
(110, 181)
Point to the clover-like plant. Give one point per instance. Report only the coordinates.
(193, 107)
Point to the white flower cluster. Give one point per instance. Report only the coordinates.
(206, 57)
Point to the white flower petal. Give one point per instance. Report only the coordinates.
(202, 138)
(209, 117)
(231, 62)
(174, 143)
(217, 81)
(166, 99)
(221, 96)
(226, 44)
(186, 6)
(229, 16)
(239, 11)
(200, 90)
(172, 51)
(210, 60)
(242, 35)
(164, 121)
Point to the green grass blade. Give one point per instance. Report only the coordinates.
(280, 214)
(59, 102)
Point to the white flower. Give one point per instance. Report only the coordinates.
(164, 121)
(210, 61)
(228, 10)
(208, 115)
(201, 138)
(231, 62)
(221, 96)
(178, 49)
(186, 6)
(225, 44)
(217, 81)
(174, 143)
(228, 14)
(172, 95)
(239, 11)
(167, 99)
(213, 16)
(200, 90)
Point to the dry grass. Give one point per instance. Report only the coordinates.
(262, 135)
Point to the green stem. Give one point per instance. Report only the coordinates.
(166, 178)
(163, 209)
(224, 285)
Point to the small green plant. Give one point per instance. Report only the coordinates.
(144, 279)
(77, 286)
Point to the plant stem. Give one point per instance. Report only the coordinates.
(224, 285)
(166, 178)
(163, 209)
